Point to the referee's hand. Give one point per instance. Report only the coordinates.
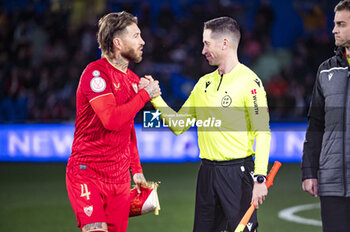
(259, 194)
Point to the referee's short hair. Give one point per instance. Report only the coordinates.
(111, 26)
(342, 5)
(224, 25)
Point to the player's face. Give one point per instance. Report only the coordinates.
(211, 48)
(341, 28)
(133, 44)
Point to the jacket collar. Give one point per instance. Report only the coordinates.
(339, 53)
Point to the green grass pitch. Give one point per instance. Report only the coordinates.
(33, 198)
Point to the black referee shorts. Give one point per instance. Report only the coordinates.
(223, 195)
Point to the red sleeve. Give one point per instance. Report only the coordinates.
(113, 116)
(134, 154)
(94, 82)
(97, 87)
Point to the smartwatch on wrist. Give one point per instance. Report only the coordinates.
(260, 179)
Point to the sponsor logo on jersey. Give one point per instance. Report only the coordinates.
(207, 84)
(88, 210)
(249, 226)
(116, 86)
(330, 75)
(257, 82)
(255, 102)
(97, 84)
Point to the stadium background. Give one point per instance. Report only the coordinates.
(46, 44)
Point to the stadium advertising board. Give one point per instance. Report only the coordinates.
(52, 143)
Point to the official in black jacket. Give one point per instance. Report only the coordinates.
(326, 155)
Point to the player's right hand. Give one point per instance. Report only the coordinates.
(311, 186)
(153, 89)
(143, 83)
(149, 77)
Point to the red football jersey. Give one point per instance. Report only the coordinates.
(100, 152)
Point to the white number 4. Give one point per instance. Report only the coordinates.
(85, 192)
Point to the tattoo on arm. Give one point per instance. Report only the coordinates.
(154, 89)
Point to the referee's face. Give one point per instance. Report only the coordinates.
(211, 48)
(341, 28)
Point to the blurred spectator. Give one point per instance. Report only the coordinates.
(165, 17)
(263, 21)
(314, 20)
(144, 16)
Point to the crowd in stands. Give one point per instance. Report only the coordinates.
(45, 45)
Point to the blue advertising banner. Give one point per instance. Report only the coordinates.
(53, 142)
(36, 142)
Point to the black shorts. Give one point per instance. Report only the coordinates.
(223, 195)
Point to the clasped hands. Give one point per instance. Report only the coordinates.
(150, 85)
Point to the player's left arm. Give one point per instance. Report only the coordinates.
(135, 163)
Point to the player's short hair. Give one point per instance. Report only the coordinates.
(110, 26)
(342, 5)
(224, 25)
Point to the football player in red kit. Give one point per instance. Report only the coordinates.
(104, 147)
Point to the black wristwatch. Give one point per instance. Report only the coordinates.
(260, 179)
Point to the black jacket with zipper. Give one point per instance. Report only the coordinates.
(326, 154)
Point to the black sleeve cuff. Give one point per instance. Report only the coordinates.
(309, 173)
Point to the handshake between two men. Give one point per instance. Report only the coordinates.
(150, 85)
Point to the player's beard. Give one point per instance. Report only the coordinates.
(131, 55)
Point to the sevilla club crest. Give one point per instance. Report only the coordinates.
(88, 210)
